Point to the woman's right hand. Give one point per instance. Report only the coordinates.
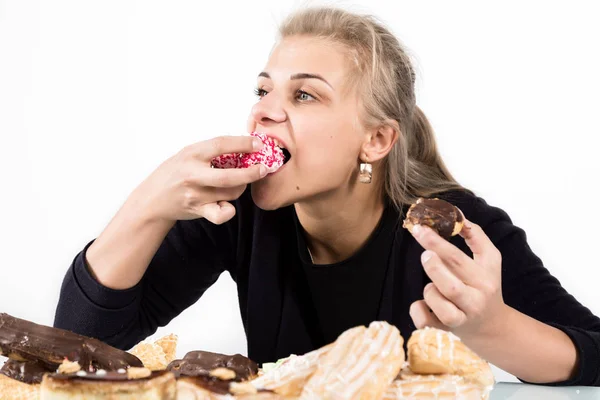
(185, 186)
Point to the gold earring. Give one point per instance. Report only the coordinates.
(366, 173)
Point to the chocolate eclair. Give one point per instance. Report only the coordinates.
(201, 363)
(134, 383)
(22, 340)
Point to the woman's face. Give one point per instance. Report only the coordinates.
(305, 104)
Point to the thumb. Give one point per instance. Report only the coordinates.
(217, 213)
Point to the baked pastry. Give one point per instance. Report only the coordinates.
(291, 374)
(204, 363)
(23, 340)
(12, 389)
(168, 344)
(209, 388)
(441, 216)
(361, 364)
(434, 351)
(134, 383)
(411, 386)
(156, 356)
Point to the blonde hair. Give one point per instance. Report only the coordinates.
(384, 77)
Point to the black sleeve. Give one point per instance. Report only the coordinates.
(529, 287)
(188, 262)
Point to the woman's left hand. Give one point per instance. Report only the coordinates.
(465, 295)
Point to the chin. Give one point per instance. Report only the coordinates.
(269, 197)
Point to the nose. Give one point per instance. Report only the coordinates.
(268, 111)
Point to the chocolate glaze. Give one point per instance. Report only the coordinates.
(25, 371)
(200, 363)
(437, 214)
(23, 340)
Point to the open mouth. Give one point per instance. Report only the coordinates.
(286, 155)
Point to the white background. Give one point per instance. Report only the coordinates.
(94, 95)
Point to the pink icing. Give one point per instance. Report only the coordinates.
(271, 156)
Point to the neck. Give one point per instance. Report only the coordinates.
(337, 225)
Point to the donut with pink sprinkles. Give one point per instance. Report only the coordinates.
(271, 156)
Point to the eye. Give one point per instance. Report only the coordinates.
(303, 96)
(260, 92)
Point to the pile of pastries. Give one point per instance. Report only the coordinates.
(363, 363)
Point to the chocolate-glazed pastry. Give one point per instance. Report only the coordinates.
(200, 363)
(25, 371)
(109, 385)
(204, 387)
(441, 216)
(23, 340)
(119, 375)
(213, 385)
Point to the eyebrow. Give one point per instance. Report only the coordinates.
(301, 75)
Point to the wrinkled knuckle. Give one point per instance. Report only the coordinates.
(190, 200)
(454, 292)
(476, 311)
(489, 288)
(452, 319)
(187, 181)
(455, 259)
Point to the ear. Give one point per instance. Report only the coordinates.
(379, 141)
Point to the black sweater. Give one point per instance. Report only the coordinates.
(260, 250)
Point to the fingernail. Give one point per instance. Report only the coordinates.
(263, 171)
(426, 256)
(257, 144)
(417, 230)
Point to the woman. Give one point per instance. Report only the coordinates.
(313, 249)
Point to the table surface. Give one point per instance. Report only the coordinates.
(519, 391)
